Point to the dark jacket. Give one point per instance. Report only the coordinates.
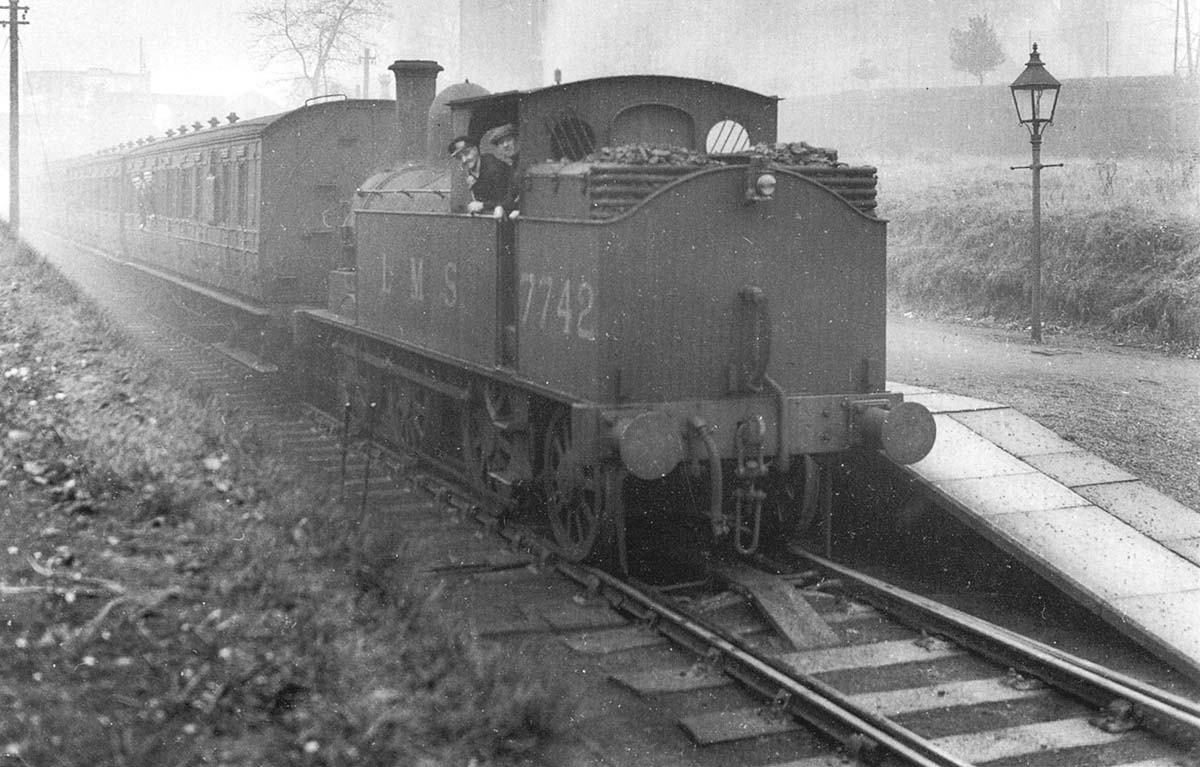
(496, 184)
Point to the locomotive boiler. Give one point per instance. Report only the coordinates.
(682, 307)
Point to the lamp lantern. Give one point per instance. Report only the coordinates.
(1035, 95)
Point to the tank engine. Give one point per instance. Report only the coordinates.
(683, 308)
(684, 313)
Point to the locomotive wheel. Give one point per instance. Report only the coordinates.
(502, 407)
(353, 387)
(574, 501)
(407, 407)
(491, 452)
(812, 498)
(412, 423)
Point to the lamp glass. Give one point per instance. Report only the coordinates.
(1035, 94)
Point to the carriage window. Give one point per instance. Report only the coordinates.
(243, 184)
(162, 199)
(198, 193)
(252, 213)
(220, 195)
(172, 192)
(187, 191)
(227, 179)
(143, 195)
(727, 137)
(184, 183)
(571, 139)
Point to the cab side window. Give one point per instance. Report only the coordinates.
(571, 138)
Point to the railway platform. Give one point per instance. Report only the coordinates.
(1117, 546)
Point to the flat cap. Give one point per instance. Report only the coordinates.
(503, 132)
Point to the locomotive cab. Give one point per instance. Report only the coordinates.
(566, 123)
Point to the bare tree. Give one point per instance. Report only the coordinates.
(976, 49)
(317, 34)
(1190, 43)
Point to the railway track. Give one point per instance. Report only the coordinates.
(811, 667)
(929, 691)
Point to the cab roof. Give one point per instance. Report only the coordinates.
(570, 120)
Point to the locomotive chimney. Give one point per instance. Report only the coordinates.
(416, 86)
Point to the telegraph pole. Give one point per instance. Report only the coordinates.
(14, 117)
(1175, 51)
(367, 60)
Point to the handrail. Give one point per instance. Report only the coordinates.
(326, 97)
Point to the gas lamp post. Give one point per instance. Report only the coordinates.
(1035, 94)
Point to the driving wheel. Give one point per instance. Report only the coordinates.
(491, 452)
(574, 501)
(411, 413)
(354, 382)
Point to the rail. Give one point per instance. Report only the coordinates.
(1090, 681)
(861, 732)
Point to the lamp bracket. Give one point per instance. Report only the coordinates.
(1039, 166)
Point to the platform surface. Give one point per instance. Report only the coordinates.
(1124, 550)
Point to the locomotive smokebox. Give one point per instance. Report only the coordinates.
(416, 87)
(906, 431)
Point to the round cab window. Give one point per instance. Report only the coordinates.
(727, 137)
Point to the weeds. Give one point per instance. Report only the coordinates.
(175, 594)
(1120, 245)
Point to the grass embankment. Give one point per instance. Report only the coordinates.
(1120, 245)
(162, 600)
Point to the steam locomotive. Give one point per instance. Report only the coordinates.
(682, 308)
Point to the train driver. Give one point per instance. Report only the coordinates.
(490, 178)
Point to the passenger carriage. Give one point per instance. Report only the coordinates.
(242, 217)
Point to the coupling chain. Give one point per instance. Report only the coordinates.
(748, 497)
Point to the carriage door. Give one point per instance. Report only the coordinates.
(507, 280)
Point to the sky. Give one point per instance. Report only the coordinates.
(204, 47)
(191, 46)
